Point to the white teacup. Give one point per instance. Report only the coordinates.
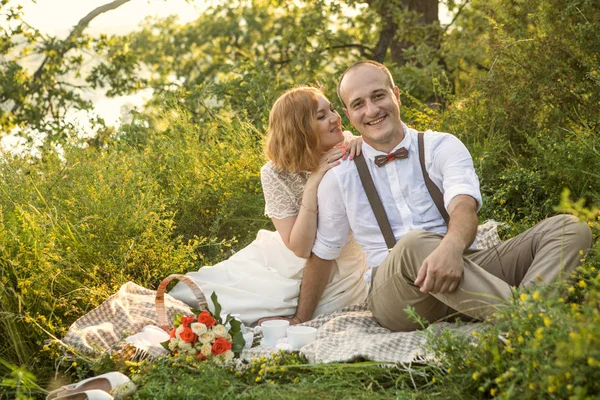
(299, 336)
(274, 330)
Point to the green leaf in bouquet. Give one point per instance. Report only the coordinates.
(177, 319)
(217, 314)
(165, 344)
(238, 342)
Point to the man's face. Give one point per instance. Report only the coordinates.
(373, 107)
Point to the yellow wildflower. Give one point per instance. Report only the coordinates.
(523, 296)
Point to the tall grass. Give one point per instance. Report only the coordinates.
(162, 196)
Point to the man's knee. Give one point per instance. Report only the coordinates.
(410, 251)
(578, 232)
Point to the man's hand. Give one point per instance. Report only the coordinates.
(293, 320)
(441, 271)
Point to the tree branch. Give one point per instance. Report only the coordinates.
(463, 5)
(68, 44)
(363, 48)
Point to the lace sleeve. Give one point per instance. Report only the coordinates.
(283, 191)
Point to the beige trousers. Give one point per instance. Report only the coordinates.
(548, 251)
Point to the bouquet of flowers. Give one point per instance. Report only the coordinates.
(206, 336)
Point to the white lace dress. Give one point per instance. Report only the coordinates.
(263, 279)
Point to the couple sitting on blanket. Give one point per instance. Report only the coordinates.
(318, 204)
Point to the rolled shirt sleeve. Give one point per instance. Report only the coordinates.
(452, 165)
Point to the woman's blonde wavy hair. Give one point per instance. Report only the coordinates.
(293, 142)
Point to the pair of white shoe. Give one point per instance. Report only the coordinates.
(112, 385)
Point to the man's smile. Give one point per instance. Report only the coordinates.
(377, 121)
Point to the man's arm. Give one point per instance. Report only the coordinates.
(314, 281)
(442, 269)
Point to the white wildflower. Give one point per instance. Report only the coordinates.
(173, 344)
(228, 356)
(185, 346)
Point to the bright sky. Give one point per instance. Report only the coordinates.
(57, 17)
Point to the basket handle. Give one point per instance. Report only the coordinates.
(163, 322)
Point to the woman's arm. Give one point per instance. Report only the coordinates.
(299, 232)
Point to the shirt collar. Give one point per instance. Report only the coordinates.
(370, 153)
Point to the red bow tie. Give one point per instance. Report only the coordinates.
(398, 154)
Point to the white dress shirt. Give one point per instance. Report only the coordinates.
(343, 203)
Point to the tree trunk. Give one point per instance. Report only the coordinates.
(428, 11)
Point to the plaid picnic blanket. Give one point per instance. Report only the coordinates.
(348, 334)
(352, 334)
(126, 312)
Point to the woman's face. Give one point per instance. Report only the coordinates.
(329, 124)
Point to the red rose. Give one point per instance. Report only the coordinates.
(186, 321)
(220, 346)
(205, 318)
(172, 333)
(200, 356)
(187, 335)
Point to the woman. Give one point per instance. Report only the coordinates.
(263, 279)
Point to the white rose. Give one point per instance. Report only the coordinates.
(179, 330)
(219, 331)
(198, 328)
(185, 346)
(192, 351)
(206, 349)
(173, 344)
(207, 337)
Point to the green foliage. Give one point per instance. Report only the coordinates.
(541, 346)
(283, 376)
(78, 223)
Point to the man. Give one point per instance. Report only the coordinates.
(432, 267)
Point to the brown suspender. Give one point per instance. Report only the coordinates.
(434, 190)
(375, 200)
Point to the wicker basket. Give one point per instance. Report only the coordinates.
(163, 321)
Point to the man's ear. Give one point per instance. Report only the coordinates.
(397, 93)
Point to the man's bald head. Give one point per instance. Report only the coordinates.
(363, 63)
